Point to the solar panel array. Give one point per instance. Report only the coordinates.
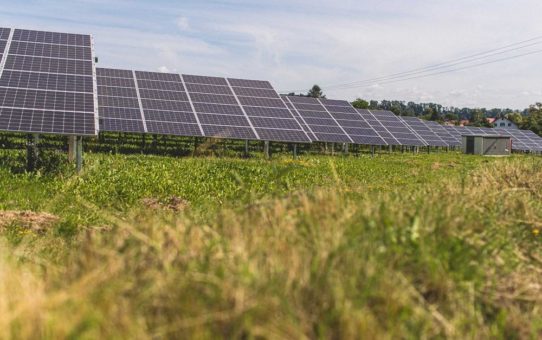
(334, 121)
(47, 83)
(189, 105)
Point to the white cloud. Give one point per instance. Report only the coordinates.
(163, 69)
(183, 24)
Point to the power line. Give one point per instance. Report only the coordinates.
(455, 70)
(443, 65)
(429, 69)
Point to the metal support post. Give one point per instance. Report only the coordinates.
(372, 151)
(295, 151)
(71, 149)
(246, 148)
(332, 149)
(32, 152)
(79, 154)
(266, 149)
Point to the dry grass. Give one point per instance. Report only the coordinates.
(457, 260)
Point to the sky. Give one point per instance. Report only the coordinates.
(295, 44)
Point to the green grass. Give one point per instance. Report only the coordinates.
(396, 246)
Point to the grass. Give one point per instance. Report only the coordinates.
(399, 246)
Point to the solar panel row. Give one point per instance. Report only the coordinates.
(190, 105)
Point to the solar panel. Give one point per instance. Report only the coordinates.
(47, 83)
(353, 123)
(190, 105)
(119, 106)
(444, 134)
(423, 131)
(267, 113)
(392, 128)
(334, 121)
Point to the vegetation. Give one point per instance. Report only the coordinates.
(400, 245)
(528, 119)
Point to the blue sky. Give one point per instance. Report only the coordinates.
(296, 43)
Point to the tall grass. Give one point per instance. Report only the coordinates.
(460, 259)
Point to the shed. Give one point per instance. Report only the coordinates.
(487, 145)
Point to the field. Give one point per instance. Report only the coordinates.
(434, 245)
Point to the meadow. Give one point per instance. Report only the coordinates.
(437, 245)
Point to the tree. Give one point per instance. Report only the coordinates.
(360, 104)
(431, 113)
(533, 121)
(316, 92)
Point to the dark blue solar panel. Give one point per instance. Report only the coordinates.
(119, 109)
(170, 116)
(46, 81)
(4, 33)
(45, 121)
(294, 136)
(260, 84)
(211, 89)
(52, 37)
(251, 92)
(273, 123)
(227, 120)
(121, 125)
(213, 99)
(50, 51)
(48, 65)
(114, 73)
(228, 132)
(157, 76)
(172, 128)
(204, 80)
(217, 108)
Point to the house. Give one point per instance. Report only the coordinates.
(504, 123)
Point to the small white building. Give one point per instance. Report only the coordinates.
(503, 123)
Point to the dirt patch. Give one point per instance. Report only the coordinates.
(36, 221)
(172, 203)
(436, 166)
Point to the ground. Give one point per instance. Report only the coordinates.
(400, 245)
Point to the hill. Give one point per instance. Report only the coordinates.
(400, 245)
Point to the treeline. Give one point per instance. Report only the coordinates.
(530, 118)
(402, 108)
